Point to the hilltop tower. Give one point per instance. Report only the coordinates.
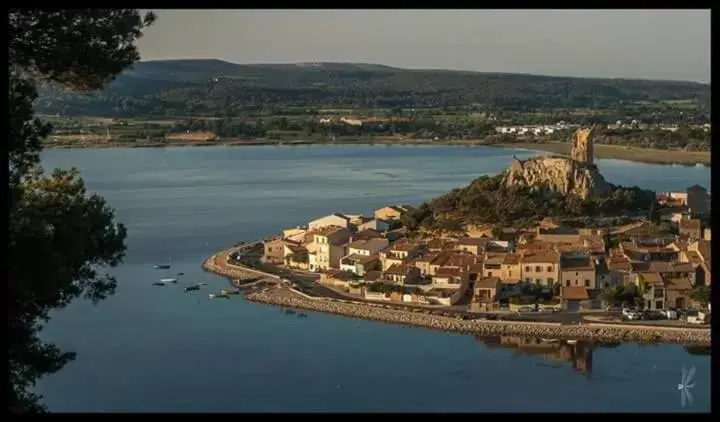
(582, 146)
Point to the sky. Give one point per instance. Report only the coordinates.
(645, 44)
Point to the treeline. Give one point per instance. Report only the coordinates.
(214, 87)
(488, 201)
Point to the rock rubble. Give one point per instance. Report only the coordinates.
(489, 328)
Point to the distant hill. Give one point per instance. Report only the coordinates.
(162, 87)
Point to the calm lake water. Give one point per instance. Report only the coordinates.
(160, 349)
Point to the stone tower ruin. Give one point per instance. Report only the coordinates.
(582, 146)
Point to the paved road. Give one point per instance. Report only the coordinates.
(307, 282)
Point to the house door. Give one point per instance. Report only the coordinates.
(573, 306)
(680, 303)
(659, 304)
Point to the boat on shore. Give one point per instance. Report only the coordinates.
(230, 291)
(168, 280)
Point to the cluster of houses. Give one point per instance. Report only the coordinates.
(561, 126)
(371, 257)
(535, 129)
(359, 121)
(695, 200)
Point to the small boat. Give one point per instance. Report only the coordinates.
(168, 280)
(192, 288)
(289, 312)
(572, 342)
(163, 266)
(158, 283)
(230, 291)
(218, 296)
(302, 315)
(179, 274)
(549, 340)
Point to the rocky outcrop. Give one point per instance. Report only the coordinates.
(558, 174)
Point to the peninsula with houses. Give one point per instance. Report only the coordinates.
(638, 268)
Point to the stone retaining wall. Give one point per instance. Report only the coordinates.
(217, 264)
(489, 328)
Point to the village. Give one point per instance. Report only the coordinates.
(547, 269)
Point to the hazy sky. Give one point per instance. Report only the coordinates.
(653, 44)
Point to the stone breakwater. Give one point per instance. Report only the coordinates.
(218, 264)
(592, 331)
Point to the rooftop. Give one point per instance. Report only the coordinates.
(487, 283)
(574, 293)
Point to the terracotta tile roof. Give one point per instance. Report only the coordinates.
(577, 264)
(428, 258)
(461, 260)
(494, 259)
(398, 269)
(404, 245)
(651, 278)
(681, 284)
(447, 272)
(541, 258)
(619, 264)
(372, 276)
(512, 259)
(487, 283)
(476, 268)
(366, 234)
(472, 241)
(328, 230)
(574, 293)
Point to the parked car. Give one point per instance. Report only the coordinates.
(630, 314)
(526, 309)
(670, 313)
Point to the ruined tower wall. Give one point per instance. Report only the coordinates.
(582, 146)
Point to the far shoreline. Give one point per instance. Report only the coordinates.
(602, 151)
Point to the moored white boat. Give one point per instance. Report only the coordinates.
(168, 280)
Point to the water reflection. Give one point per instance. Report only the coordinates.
(578, 353)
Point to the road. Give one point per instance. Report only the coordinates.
(308, 284)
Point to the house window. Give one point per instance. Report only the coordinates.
(549, 269)
(538, 269)
(567, 283)
(551, 280)
(510, 273)
(538, 281)
(587, 283)
(269, 248)
(576, 273)
(490, 274)
(527, 268)
(607, 284)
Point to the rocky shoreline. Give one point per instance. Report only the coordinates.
(589, 331)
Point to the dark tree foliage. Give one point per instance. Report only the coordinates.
(487, 201)
(59, 236)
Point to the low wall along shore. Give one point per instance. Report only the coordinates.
(590, 331)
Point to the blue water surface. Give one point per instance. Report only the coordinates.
(160, 349)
